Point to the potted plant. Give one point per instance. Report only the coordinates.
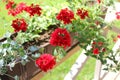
(44, 33)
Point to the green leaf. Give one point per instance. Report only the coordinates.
(36, 55)
(35, 36)
(25, 57)
(41, 50)
(105, 69)
(61, 56)
(21, 52)
(33, 48)
(13, 43)
(1, 63)
(8, 34)
(3, 70)
(55, 53)
(5, 45)
(23, 62)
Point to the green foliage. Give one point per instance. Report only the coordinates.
(10, 51)
(59, 53)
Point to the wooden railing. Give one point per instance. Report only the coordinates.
(82, 59)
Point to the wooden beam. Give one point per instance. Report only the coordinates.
(97, 70)
(105, 75)
(77, 67)
(115, 29)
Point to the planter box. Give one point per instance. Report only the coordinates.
(30, 70)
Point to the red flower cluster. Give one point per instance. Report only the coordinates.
(15, 9)
(21, 7)
(10, 5)
(33, 9)
(19, 24)
(82, 13)
(46, 62)
(97, 47)
(96, 51)
(66, 16)
(60, 37)
(118, 35)
(97, 22)
(117, 15)
(99, 1)
(116, 38)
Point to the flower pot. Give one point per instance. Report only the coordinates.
(30, 69)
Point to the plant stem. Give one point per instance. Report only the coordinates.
(9, 76)
(31, 58)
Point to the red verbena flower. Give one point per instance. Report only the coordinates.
(99, 1)
(118, 35)
(97, 22)
(17, 9)
(10, 5)
(21, 7)
(95, 51)
(12, 12)
(45, 62)
(60, 37)
(19, 24)
(94, 43)
(115, 39)
(66, 16)
(103, 50)
(33, 9)
(117, 15)
(100, 43)
(82, 13)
